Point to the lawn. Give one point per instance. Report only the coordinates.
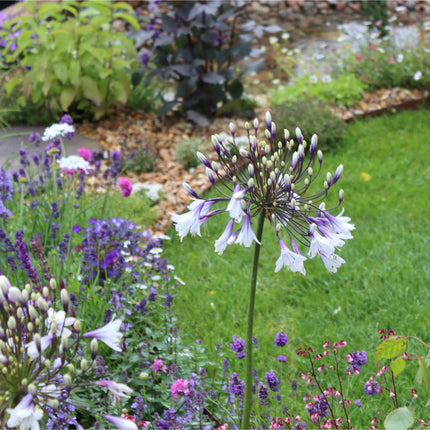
(384, 283)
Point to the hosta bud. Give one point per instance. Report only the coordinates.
(65, 300)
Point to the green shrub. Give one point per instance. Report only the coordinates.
(345, 90)
(312, 116)
(186, 152)
(139, 160)
(67, 57)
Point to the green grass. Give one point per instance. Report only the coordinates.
(384, 283)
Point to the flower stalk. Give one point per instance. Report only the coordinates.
(251, 305)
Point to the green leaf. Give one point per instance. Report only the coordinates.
(398, 366)
(423, 375)
(66, 98)
(61, 72)
(74, 72)
(91, 91)
(130, 19)
(391, 348)
(399, 419)
(11, 84)
(120, 92)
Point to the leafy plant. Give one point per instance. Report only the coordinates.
(197, 46)
(311, 116)
(71, 52)
(345, 90)
(186, 152)
(139, 160)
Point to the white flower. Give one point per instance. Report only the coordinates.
(24, 415)
(246, 235)
(400, 58)
(418, 75)
(341, 225)
(332, 262)
(57, 130)
(110, 334)
(285, 36)
(234, 206)
(222, 242)
(313, 79)
(320, 245)
(117, 390)
(74, 162)
(190, 222)
(326, 79)
(276, 81)
(61, 322)
(273, 40)
(121, 423)
(292, 260)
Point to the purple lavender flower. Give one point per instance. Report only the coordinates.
(371, 387)
(318, 408)
(272, 380)
(357, 359)
(281, 358)
(66, 119)
(34, 137)
(358, 403)
(281, 339)
(263, 394)
(238, 346)
(236, 386)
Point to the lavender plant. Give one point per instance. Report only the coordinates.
(268, 179)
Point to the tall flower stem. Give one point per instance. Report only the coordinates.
(248, 359)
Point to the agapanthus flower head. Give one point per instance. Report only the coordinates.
(275, 178)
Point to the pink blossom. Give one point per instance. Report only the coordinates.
(358, 57)
(125, 186)
(158, 366)
(180, 388)
(391, 60)
(85, 154)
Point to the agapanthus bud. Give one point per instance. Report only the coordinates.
(32, 312)
(65, 300)
(38, 342)
(251, 170)
(267, 149)
(72, 368)
(15, 295)
(32, 389)
(337, 174)
(25, 295)
(250, 182)
(232, 127)
(320, 155)
(268, 118)
(243, 152)
(47, 363)
(54, 403)
(42, 305)
(210, 176)
(234, 159)
(286, 134)
(299, 135)
(273, 129)
(4, 284)
(30, 327)
(84, 365)
(301, 152)
(94, 347)
(246, 125)
(19, 313)
(255, 123)
(53, 284)
(341, 194)
(203, 159)
(214, 166)
(329, 178)
(11, 323)
(68, 380)
(77, 325)
(189, 190)
(310, 171)
(45, 292)
(268, 134)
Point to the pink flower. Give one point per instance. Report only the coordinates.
(158, 366)
(372, 46)
(125, 186)
(85, 154)
(180, 388)
(391, 60)
(358, 57)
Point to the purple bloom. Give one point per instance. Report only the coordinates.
(272, 380)
(358, 403)
(236, 386)
(66, 119)
(34, 137)
(263, 394)
(357, 359)
(318, 408)
(281, 339)
(281, 358)
(238, 346)
(371, 387)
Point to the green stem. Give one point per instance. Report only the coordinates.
(248, 358)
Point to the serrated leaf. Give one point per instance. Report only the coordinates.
(399, 419)
(398, 366)
(391, 348)
(91, 91)
(66, 98)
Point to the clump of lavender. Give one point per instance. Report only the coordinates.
(41, 355)
(269, 179)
